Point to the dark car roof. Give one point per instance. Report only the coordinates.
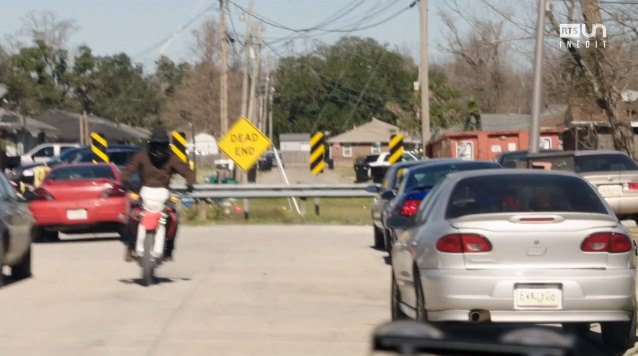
(457, 162)
(109, 149)
(392, 171)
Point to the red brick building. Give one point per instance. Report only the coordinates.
(499, 133)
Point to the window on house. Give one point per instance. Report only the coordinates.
(347, 150)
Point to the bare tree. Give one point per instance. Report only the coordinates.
(196, 98)
(604, 71)
(47, 27)
(480, 65)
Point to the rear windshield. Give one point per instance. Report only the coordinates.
(84, 172)
(428, 176)
(604, 163)
(371, 158)
(522, 193)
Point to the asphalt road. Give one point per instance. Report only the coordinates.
(233, 290)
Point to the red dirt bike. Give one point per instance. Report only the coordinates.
(153, 222)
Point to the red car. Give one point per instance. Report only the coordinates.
(79, 198)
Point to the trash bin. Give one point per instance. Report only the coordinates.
(331, 163)
(212, 180)
(361, 171)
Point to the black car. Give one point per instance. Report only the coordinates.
(517, 159)
(118, 154)
(417, 183)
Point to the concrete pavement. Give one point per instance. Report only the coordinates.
(233, 290)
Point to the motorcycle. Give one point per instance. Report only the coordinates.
(150, 224)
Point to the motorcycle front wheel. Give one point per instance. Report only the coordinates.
(148, 265)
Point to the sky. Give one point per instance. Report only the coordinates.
(139, 27)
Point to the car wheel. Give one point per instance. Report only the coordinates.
(421, 313)
(577, 328)
(378, 238)
(395, 301)
(619, 336)
(22, 269)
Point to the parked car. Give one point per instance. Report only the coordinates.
(45, 152)
(15, 225)
(520, 246)
(614, 174)
(268, 161)
(417, 183)
(83, 197)
(374, 166)
(517, 159)
(27, 176)
(386, 192)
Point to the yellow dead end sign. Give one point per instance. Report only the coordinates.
(244, 143)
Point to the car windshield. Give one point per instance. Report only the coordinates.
(426, 177)
(81, 172)
(522, 193)
(604, 163)
(64, 156)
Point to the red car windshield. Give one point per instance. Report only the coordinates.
(81, 172)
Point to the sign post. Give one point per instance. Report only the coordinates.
(317, 163)
(396, 149)
(98, 147)
(244, 144)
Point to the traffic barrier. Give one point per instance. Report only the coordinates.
(99, 144)
(396, 149)
(317, 153)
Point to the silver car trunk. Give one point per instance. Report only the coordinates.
(610, 184)
(536, 240)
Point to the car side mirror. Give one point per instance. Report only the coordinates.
(388, 195)
(373, 188)
(399, 222)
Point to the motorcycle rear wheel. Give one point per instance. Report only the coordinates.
(148, 265)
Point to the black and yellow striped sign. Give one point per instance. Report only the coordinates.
(396, 149)
(98, 148)
(178, 146)
(317, 151)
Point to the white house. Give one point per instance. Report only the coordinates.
(203, 145)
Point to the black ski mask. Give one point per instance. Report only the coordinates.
(158, 148)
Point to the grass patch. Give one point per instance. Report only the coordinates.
(342, 211)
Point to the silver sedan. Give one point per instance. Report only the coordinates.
(516, 246)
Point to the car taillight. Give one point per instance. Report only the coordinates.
(632, 186)
(410, 207)
(463, 243)
(610, 242)
(43, 194)
(114, 192)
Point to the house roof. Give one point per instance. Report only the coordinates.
(14, 122)
(69, 127)
(294, 137)
(371, 132)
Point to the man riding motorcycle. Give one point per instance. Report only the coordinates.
(155, 166)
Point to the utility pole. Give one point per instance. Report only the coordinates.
(271, 90)
(223, 96)
(424, 80)
(247, 47)
(254, 78)
(534, 131)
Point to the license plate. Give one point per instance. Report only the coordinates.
(608, 190)
(550, 298)
(76, 214)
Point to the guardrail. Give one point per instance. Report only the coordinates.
(259, 191)
(221, 191)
